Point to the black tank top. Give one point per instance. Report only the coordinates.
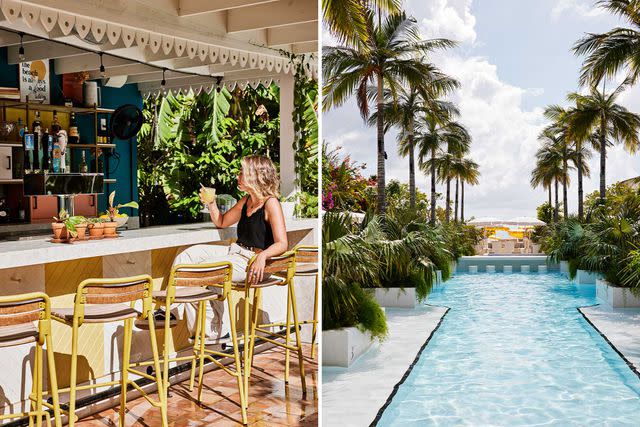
(254, 231)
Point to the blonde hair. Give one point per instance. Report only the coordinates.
(260, 175)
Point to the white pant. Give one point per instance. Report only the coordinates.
(215, 327)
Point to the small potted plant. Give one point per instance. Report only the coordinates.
(96, 228)
(67, 227)
(81, 227)
(113, 218)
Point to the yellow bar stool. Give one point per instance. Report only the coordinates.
(307, 266)
(110, 301)
(17, 314)
(193, 283)
(282, 269)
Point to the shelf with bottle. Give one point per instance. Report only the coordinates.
(58, 108)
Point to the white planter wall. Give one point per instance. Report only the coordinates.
(584, 277)
(615, 297)
(395, 297)
(342, 347)
(564, 268)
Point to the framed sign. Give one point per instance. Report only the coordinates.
(34, 81)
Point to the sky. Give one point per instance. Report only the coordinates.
(513, 59)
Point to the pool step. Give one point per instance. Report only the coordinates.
(473, 269)
(525, 268)
(507, 269)
(542, 269)
(491, 268)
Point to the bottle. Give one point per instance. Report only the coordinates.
(55, 125)
(27, 145)
(36, 129)
(83, 164)
(74, 135)
(20, 128)
(57, 155)
(46, 151)
(21, 212)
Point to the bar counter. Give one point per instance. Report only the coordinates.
(58, 268)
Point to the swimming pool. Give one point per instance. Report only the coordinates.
(512, 351)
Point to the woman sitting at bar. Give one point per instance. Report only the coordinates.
(261, 232)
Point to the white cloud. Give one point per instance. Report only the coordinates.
(446, 18)
(583, 8)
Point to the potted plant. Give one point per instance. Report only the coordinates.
(114, 216)
(67, 227)
(96, 228)
(81, 227)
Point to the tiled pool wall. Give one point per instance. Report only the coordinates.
(532, 264)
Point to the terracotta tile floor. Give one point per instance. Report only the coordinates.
(272, 403)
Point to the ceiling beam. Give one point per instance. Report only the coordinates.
(297, 33)
(42, 50)
(275, 14)
(87, 62)
(197, 7)
(307, 47)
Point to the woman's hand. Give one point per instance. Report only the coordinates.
(256, 271)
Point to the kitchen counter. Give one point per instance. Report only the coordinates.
(41, 251)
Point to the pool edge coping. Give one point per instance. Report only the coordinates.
(406, 374)
(631, 366)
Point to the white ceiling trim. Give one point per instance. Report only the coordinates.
(57, 24)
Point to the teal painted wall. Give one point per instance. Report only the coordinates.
(122, 165)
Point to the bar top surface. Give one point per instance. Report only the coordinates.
(41, 251)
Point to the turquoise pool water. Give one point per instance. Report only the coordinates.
(514, 351)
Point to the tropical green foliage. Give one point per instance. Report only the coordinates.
(604, 241)
(349, 262)
(343, 186)
(188, 139)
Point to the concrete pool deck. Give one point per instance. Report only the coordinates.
(621, 327)
(353, 396)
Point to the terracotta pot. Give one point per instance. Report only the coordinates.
(110, 229)
(96, 230)
(81, 229)
(58, 228)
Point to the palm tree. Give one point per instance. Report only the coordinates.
(466, 171)
(391, 56)
(614, 50)
(557, 147)
(457, 142)
(346, 18)
(561, 118)
(599, 113)
(405, 113)
(435, 130)
(549, 169)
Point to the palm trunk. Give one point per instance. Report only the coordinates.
(381, 181)
(462, 200)
(565, 207)
(550, 203)
(603, 158)
(433, 187)
(412, 171)
(448, 208)
(455, 215)
(555, 211)
(580, 191)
